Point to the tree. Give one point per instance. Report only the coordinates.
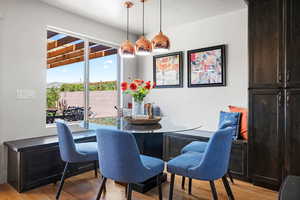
(52, 97)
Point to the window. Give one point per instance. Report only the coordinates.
(80, 88)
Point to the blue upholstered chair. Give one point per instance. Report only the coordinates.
(226, 120)
(210, 165)
(71, 152)
(120, 160)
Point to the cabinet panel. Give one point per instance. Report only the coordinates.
(266, 134)
(293, 44)
(41, 165)
(173, 145)
(293, 132)
(265, 42)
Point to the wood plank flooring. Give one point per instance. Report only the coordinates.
(85, 187)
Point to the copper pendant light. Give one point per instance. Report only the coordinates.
(160, 43)
(143, 46)
(127, 49)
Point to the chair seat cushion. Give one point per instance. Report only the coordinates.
(195, 146)
(155, 165)
(181, 164)
(88, 149)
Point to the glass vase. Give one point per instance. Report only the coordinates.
(137, 108)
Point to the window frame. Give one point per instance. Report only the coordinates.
(87, 39)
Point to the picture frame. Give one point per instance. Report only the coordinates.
(207, 67)
(168, 70)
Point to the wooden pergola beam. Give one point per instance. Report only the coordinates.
(73, 54)
(50, 34)
(99, 48)
(98, 54)
(65, 50)
(68, 49)
(77, 53)
(61, 42)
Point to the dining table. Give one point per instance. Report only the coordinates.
(149, 138)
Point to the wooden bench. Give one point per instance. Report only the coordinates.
(36, 161)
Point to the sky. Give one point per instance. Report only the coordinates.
(101, 69)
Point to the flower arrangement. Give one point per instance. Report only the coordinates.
(138, 89)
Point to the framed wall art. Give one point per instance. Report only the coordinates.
(168, 70)
(207, 67)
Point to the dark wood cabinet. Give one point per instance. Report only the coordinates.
(266, 129)
(274, 90)
(293, 44)
(265, 42)
(174, 142)
(292, 132)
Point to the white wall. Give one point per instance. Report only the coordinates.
(23, 64)
(202, 105)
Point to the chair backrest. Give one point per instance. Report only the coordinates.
(119, 157)
(216, 157)
(66, 143)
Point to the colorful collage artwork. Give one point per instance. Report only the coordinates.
(206, 67)
(168, 70)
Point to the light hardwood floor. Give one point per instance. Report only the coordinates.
(85, 187)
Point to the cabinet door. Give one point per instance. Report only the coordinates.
(265, 43)
(293, 44)
(293, 132)
(265, 137)
(173, 145)
(239, 160)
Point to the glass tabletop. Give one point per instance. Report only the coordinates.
(166, 125)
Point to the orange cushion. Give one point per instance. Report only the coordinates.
(244, 120)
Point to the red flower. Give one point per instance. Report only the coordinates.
(138, 82)
(124, 86)
(133, 86)
(148, 85)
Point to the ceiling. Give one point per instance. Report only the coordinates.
(175, 12)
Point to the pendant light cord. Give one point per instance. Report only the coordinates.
(160, 11)
(143, 18)
(127, 23)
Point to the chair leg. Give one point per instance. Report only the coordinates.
(129, 191)
(171, 187)
(213, 190)
(227, 188)
(126, 190)
(190, 186)
(96, 169)
(158, 180)
(62, 181)
(230, 176)
(102, 185)
(183, 182)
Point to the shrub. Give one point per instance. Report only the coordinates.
(52, 97)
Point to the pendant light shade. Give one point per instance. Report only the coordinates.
(143, 46)
(127, 49)
(160, 43)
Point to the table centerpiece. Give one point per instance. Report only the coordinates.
(138, 89)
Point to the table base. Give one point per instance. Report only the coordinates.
(146, 185)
